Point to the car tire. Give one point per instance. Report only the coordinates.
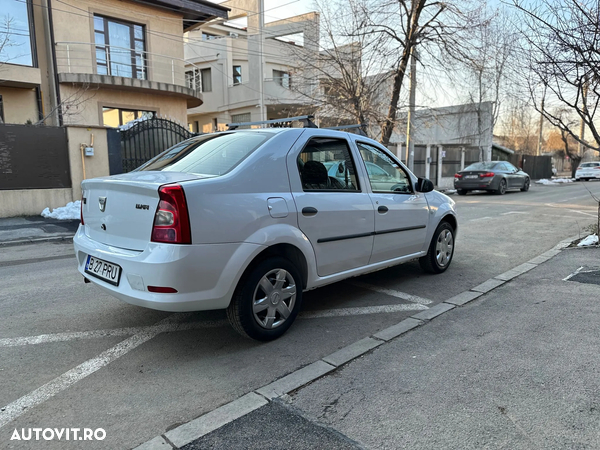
(267, 300)
(501, 187)
(461, 191)
(441, 249)
(525, 187)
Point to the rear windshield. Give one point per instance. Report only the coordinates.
(210, 156)
(590, 165)
(482, 165)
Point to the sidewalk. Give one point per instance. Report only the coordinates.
(517, 367)
(22, 230)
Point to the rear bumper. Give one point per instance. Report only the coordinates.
(478, 184)
(204, 275)
(580, 175)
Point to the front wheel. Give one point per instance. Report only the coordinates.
(525, 187)
(267, 300)
(502, 188)
(440, 252)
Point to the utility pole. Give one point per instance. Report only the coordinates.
(410, 145)
(539, 145)
(261, 58)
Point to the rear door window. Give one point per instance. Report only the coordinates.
(209, 156)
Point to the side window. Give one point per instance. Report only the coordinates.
(503, 167)
(385, 175)
(325, 164)
(510, 167)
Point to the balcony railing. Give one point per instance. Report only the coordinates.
(101, 59)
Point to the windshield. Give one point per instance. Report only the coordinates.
(211, 156)
(482, 165)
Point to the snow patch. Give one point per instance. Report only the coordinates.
(69, 212)
(554, 181)
(592, 239)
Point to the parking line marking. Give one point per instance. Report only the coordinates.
(402, 295)
(479, 218)
(360, 311)
(97, 334)
(20, 406)
(513, 212)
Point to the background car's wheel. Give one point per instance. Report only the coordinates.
(440, 252)
(502, 187)
(461, 191)
(267, 300)
(525, 187)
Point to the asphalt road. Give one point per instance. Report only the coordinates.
(71, 356)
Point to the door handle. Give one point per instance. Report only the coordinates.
(382, 209)
(309, 211)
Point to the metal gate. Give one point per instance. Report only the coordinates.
(143, 141)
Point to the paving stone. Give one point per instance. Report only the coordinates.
(215, 419)
(295, 379)
(435, 311)
(488, 285)
(352, 351)
(398, 329)
(463, 298)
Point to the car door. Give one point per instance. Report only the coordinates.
(512, 174)
(401, 213)
(334, 212)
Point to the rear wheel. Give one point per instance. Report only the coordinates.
(525, 187)
(461, 191)
(502, 188)
(440, 252)
(267, 300)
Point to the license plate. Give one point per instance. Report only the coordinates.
(470, 176)
(111, 273)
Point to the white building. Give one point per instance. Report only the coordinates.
(247, 74)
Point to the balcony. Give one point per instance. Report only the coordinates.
(126, 68)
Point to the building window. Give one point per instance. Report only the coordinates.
(237, 75)
(1, 110)
(208, 36)
(282, 78)
(16, 39)
(206, 80)
(240, 118)
(120, 48)
(115, 117)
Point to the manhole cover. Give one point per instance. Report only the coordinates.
(582, 275)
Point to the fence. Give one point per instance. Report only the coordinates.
(33, 157)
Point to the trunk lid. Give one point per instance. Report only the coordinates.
(119, 210)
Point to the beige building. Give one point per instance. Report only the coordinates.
(83, 66)
(250, 73)
(97, 63)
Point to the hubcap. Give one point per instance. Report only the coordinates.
(503, 186)
(274, 298)
(443, 248)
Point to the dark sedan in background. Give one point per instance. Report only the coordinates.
(496, 176)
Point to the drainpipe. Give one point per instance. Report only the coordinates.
(52, 68)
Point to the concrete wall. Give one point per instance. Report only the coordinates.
(31, 202)
(19, 104)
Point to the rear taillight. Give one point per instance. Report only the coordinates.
(172, 221)
(487, 175)
(597, 167)
(458, 175)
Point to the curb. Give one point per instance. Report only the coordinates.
(66, 237)
(215, 419)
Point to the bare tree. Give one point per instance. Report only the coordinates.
(344, 77)
(562, 44)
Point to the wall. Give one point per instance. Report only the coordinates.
(95, 166)
(89, 103)
(19, 104)
(31, 202)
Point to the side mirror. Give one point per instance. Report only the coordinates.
(424, 185)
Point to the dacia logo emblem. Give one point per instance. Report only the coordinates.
(102, 203)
